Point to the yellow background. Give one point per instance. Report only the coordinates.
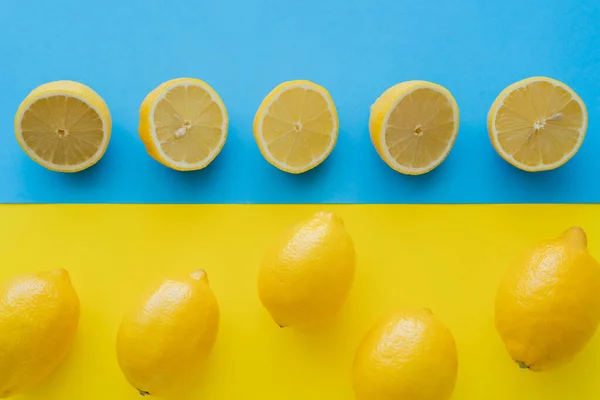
(447, 258)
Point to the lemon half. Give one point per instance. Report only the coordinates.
(537, 124)
(183, 124)
(64, 126)
(296, 126)
(413, 126)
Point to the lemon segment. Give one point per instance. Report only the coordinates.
(296, 126)
(64, 126)
(537, 124)
(183, 124)
(413, 126)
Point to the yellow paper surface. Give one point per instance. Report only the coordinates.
(446, 258)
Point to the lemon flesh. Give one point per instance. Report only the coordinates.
(547, 306)
(163, 340)
(296, 126)
(307, 273)
(413, 126)
(407, 355)
(38, 321)
(537, 124)
(64, 126)
(183, 124)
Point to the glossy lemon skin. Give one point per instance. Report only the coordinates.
(548, 304)
(307, 274)
(407, 355)
(65, 88)
(379, 111)
(39, 314)
(163, 341)
(145, 124)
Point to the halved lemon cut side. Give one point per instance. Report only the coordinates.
(183, 124)
(64, 126)
(413, 126)
(537, 124)
(296, 126)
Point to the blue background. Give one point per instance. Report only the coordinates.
(355, 48)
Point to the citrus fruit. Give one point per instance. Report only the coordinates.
(307, 273)
(296, 126)
(547, 307)
(39, 314)
(183, 124)
(163, 340)
(64, 126)
(537, 124)
(413, 126)
(407, 355)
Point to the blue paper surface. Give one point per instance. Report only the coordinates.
(356, 49)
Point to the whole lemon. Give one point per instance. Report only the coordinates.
(307, 274)
(407, 355)
(39, 314)
(548, 305)
(162, 342)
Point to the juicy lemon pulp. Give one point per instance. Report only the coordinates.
(414, 125)
(64, 126)
(183, 124)
(296, 126)
(537, 124)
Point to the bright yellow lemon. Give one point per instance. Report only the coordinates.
(407, 355)
(296, 126)
(413, 126)
(39, 314)
(163, 340)
(548, 305)
(307, 274)
(183, 124)
(537, 124)
(64, 126)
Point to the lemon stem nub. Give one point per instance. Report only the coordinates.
(522, 365)
(143, 393)
(199, 275)
(576, 236)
